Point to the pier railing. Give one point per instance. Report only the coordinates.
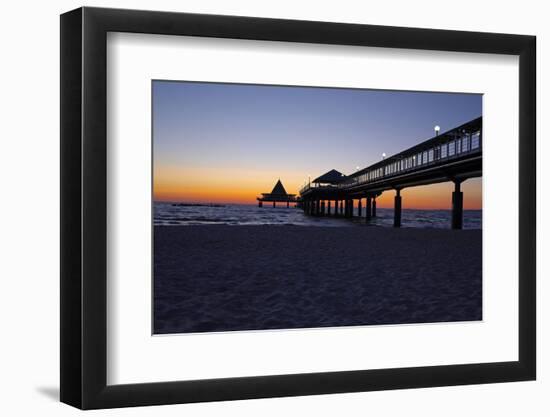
(452, 145)
(466, 143)
(317, 186)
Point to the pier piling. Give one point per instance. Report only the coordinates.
(349, 207)
(368, 209)
(457, 201)
(397, 209)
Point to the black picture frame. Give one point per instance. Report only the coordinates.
(84, 207)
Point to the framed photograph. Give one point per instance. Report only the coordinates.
(259, 208)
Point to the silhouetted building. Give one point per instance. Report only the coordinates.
(277, 195)
(332, 177)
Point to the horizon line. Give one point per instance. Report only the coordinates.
(255, 204)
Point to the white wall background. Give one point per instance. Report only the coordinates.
(29, 236)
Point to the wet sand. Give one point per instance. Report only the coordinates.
(222, 278)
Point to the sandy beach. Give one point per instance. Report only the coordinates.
(223, 278)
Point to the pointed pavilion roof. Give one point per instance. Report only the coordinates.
(279, 189)
(277, 194)
(331, 177)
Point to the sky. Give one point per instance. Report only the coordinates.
(228, 143)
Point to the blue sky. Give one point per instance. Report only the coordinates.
(278, 131)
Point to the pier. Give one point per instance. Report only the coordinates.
(277, 195)
(453, 156)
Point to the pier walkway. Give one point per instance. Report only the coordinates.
(455, 155)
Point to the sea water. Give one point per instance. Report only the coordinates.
(172, 214)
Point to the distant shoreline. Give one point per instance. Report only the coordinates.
(255, 204)
(197, 205)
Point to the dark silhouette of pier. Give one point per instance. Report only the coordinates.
(278, 194)
(455, 155)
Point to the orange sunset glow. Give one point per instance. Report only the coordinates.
(228, 143)
(236, 186)
(243, 186)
